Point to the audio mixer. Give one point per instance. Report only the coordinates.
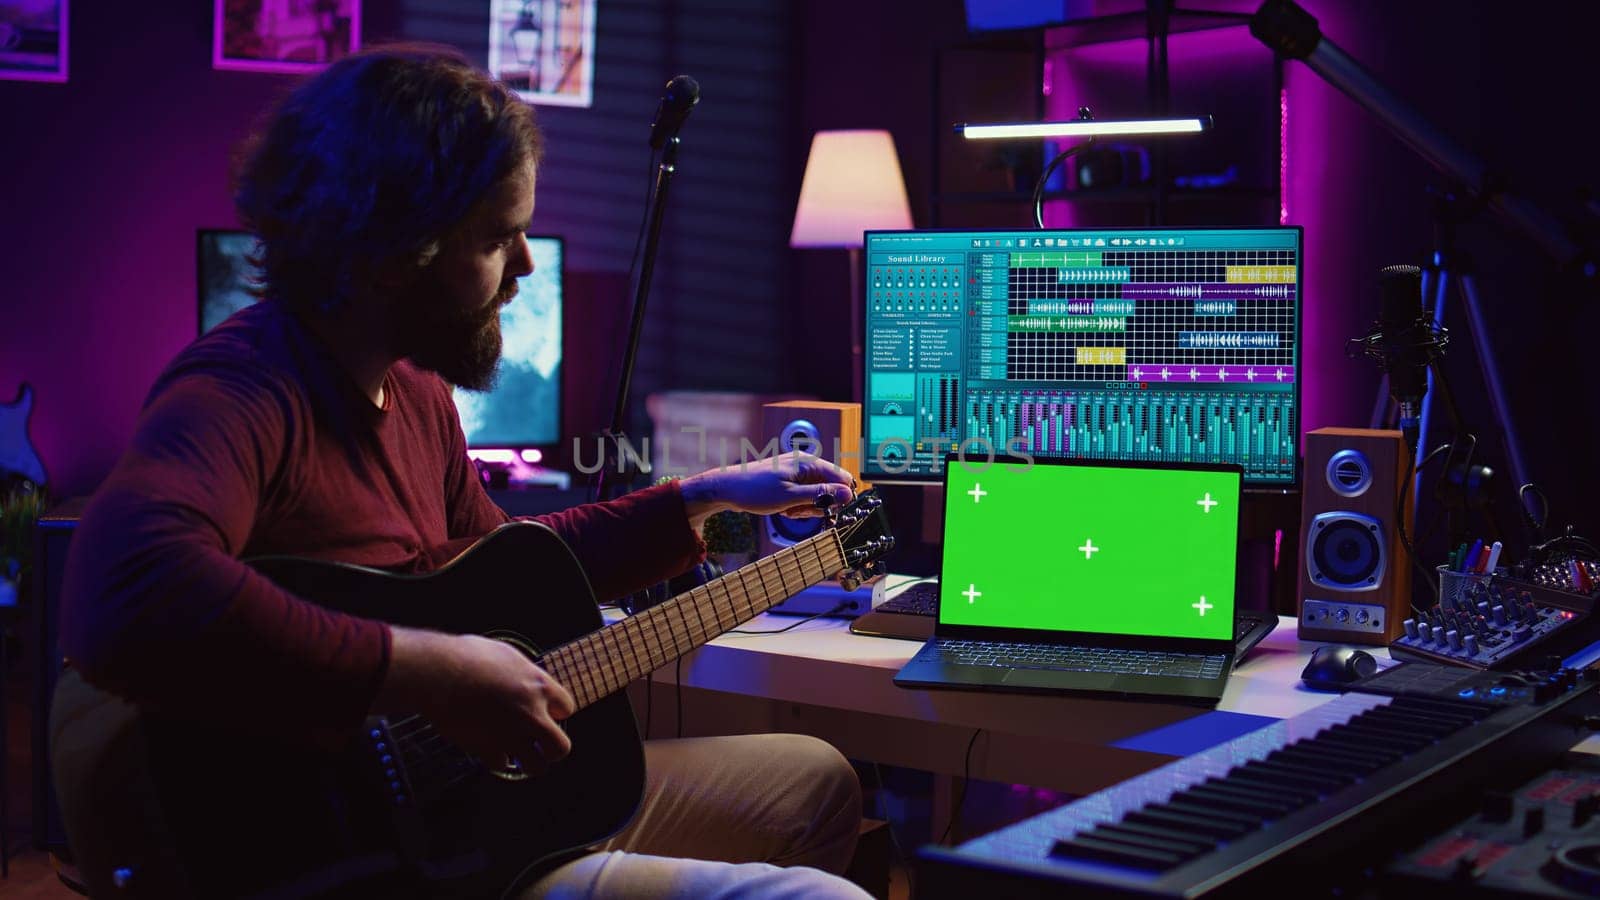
(1162, 345)
(1504, 623)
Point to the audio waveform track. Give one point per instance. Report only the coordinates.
(1257, 430)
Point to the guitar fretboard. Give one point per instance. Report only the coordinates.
(602, 663)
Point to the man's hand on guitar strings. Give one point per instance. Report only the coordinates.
(484, 695)
(787, 484)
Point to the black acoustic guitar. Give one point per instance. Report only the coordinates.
(164, 807)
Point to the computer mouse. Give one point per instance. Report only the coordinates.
(1332, 667)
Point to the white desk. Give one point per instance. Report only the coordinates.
(820, 679)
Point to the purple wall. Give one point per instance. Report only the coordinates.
(107, 177)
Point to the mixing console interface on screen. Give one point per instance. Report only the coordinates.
(1154, 344)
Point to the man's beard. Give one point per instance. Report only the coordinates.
(462, 346)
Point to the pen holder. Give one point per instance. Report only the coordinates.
(1455, 586)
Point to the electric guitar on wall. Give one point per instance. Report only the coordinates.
(159, 807)
(18, 459)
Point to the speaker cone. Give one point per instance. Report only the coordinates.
(1346, 551)
(784, 530)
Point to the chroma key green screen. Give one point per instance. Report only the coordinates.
(1096, 548)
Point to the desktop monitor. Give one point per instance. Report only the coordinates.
(522, 412)
(1159, 344)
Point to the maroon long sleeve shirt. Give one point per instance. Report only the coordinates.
(253, 442)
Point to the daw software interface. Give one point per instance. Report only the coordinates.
(1152, 344)
(1106, 548)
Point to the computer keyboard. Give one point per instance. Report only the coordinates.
(1077, 659)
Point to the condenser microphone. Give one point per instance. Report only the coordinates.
(681, 95)
(1407, 342)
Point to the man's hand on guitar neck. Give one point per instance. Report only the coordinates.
(483, 695)
(787, 484)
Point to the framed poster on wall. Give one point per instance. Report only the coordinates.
(33, 40)
(544, 49)
(283, 35)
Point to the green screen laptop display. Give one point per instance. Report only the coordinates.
(1092, 548)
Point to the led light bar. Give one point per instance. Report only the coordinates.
(1084, 128)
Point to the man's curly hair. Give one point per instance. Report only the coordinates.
(376, 158)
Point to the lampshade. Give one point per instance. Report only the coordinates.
(852, 183)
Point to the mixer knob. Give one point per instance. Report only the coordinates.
(1533, 821)
(1454, 638)
(1498, 614)
(1438, 634)
(1584, 809)
(1471, 643)
(1411, 628)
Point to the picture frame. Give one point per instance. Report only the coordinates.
(291, 36)
(544, 49)
(33, 40)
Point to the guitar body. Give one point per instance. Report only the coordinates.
(248, 815)
(161, 806)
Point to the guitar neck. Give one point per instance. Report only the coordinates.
(602, 663)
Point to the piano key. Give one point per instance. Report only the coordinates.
(1198, 824)
(1106, 851)
(1325, 753)
(1232, 801)
(1196, 806)
(1318, 776)
(1200, 842)
(1294, 794)
(1116, 834)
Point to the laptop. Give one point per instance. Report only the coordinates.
(1092, 577)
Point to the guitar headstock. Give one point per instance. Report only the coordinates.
(863, 531)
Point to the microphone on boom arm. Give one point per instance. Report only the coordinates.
(1405, 340)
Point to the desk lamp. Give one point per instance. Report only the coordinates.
(1085, 126)
(852, 184)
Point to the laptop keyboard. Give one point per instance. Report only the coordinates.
(920, 599)
(1063, 658)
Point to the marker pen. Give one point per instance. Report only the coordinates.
(1494, 558)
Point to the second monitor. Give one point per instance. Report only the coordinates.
(1155, 344)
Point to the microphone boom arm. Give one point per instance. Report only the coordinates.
(1291, 31)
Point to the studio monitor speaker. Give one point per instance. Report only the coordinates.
(831, 431)
(1355, 576)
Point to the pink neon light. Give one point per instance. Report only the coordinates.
(493, 456)
(1283, 156)
(532, 456)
